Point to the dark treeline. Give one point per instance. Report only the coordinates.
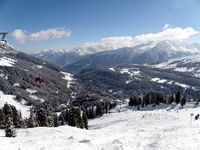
(156, 98)
(43, 115)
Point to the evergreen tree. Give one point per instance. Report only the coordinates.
(7, 112)
(31, 122)
(16, 117)
(197, 103)
(78, 118)
(171, 100)
(56, 121)
(91, 113)
(107, 107)
(178, 97)
(10, 128)
(42, 117)
(75, 118)
(62, 119)
(71, 118)
(66, 113)
(85, 120)
(2, 119)
(183, 101)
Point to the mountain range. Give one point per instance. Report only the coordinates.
(165, 66)
(152, 52)
(110, 74)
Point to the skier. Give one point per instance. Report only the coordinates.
(197, 117)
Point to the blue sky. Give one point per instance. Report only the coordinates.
(69, 23)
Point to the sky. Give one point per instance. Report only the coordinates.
(35, 25)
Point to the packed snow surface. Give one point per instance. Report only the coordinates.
(163, 128)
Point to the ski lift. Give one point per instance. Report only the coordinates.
(39, 81)
(3, 35)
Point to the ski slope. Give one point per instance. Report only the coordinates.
(11, 99)
(162, 128)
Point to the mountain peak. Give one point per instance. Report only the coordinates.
(177, 46)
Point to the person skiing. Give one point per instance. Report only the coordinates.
(196, 117)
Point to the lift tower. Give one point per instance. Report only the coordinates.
(3, 35)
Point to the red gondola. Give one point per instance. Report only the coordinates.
(39, 81)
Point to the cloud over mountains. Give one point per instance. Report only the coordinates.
(21, 36)
(168, 33)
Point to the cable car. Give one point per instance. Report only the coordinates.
(39, 81)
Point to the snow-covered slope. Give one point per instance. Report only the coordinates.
(126, 80)
(190, 64)
(11, 99)
(158, 129)
(18, 74)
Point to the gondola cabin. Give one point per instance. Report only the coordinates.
(39, 81)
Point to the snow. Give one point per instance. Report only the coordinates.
(181, 69)
(32, 92)
(37, 98)
(182, 64)
(155, 79)
(125, 70)
(10, 99)
(132, 71)
(5, 61)
(112, 69)
(162, 128)
(3, 76)
(162, 81)
(158, 80)
(68, 77)
(16, 84)
(128, 81)
(39, 67)
(170, 82)
(182, 85)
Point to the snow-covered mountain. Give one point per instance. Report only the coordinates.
(189, 64)
(63, 57)
(147, 53)
(18, 73)
(59, 57)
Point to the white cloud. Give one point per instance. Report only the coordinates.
(166, 26)
(21, 36)
(168, 33)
